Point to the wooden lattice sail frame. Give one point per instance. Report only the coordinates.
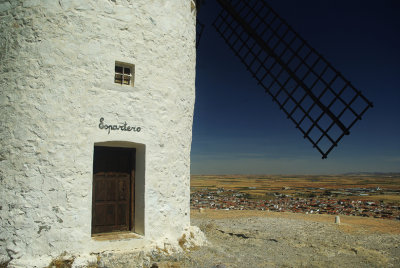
(316, 97)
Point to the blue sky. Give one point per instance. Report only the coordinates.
(238, 129)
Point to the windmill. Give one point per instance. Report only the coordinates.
(315, 96)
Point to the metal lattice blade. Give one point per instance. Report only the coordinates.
(313, 94)
(199, 31)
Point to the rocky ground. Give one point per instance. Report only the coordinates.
(261, 239)
(269, 239)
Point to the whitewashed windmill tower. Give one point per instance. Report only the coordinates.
(96, 109)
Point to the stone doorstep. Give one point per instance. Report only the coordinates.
(116, 236)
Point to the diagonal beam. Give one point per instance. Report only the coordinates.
(227, 6)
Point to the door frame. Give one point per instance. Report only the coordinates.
(140, 180)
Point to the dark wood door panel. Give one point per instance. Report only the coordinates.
(105, 214)
(123, 189)
(105, 189)
(113, 182)
(123, 215)
(111, 199)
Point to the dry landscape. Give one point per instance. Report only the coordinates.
(241, 237)
(258, 186)
(256, 238)
(367, 195)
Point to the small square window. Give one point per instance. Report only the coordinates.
(124, 73)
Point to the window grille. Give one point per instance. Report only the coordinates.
(124, 73)
(321, 103)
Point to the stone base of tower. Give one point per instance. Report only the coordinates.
(112, 251)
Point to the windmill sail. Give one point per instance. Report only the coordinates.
(313, 94)
(199, 31)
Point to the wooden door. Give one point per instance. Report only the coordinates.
(113, 189)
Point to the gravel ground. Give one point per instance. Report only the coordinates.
(267, 239)
(283, 242)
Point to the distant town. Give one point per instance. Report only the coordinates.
(332, 202)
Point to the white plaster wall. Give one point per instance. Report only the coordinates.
(57, 66)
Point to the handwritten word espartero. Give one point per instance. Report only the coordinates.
(121, 126)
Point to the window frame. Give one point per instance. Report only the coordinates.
(121, 77)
